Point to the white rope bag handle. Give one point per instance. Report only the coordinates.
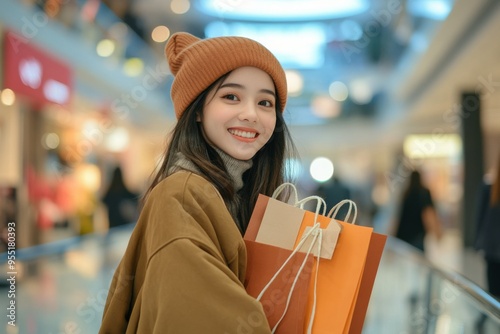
(300, 203)
(280, 189)
(352, 207)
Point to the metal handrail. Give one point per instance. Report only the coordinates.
(487, 303)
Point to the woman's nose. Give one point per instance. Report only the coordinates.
(248, 113)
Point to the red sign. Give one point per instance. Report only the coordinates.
(31, 72)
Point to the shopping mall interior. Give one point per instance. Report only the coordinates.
(376, 89)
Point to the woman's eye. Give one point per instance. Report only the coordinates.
(266, 103)
(231, 97)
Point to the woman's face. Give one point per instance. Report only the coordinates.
(239, 116)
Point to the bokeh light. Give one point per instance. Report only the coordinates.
(321, 169)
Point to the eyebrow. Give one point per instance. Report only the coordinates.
(235, 85)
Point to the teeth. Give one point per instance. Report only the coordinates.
(243, 134)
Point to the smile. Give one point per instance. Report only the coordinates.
(243, 134)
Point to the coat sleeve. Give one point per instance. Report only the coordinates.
(188, 290)
(121, 294)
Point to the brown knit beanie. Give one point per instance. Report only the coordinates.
(197, 63)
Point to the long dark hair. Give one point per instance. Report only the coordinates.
(117, 184)
(414, 184)
(268, 169)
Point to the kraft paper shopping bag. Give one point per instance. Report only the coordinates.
(281, 222)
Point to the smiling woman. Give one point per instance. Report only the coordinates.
(186, 259)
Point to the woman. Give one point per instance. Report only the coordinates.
(121, 203)
(184, 268)
(417, 216)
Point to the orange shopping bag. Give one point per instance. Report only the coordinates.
(340, 292)
(345, 282)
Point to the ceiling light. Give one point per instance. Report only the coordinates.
(7, 97)
(361, 91)
(321, 169)
(283, 10)
(432, 146)
(117, 140)
(105, 48)
(294, 82)
(295, 45)
(160, 34)
(50, 141)
(180, 6)
(338, 91)
(133, 67)
(89, 176)
(325, 107)
(432, 9)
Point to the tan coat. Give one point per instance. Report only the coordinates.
(183, 268)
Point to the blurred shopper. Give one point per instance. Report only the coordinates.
(121, 203)
(8, 212)
(184, 268)
(417, 216)
(488, 231)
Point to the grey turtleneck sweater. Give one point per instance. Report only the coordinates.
(235, 169)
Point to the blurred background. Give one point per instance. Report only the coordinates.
(377, 88)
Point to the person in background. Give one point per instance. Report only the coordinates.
(8, 214)
(184, 268)
(417, 215)
(488, 231)
(121, 203)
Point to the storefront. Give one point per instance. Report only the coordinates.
(32, 81)
(60, 143)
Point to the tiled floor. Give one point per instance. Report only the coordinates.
(66, 293)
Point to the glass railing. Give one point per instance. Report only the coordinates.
(411, 295)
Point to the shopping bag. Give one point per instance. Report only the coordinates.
(340, 292)
(279, 277)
